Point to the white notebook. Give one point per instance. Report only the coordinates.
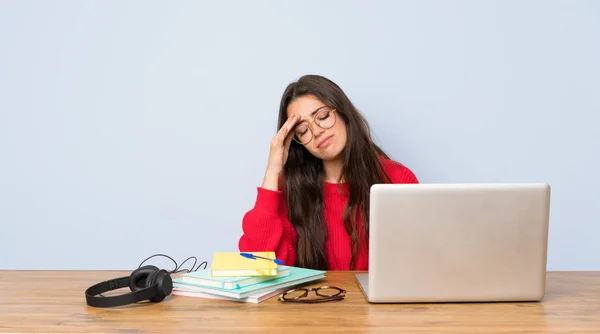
(250, 299)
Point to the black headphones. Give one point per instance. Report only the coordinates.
(146, 283)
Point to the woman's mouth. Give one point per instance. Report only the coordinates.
(325, 141)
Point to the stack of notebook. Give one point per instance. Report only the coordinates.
(237, 278)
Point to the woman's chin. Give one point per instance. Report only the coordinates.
(329, 153)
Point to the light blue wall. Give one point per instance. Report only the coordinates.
(129, 128)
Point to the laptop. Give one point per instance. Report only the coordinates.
(433, 243)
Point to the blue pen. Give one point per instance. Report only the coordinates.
(254, 257)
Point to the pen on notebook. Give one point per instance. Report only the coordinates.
(254, 257)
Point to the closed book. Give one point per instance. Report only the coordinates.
(297, 276)
(233, 264)
(250, 299)
(229, 282)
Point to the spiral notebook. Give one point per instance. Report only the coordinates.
(297, 276)
(229, 282)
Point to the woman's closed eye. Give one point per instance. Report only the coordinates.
(300, 131)
(326, 116)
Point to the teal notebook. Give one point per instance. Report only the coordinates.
(296, 276)
(229, 282)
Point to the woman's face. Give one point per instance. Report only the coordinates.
(327, 141)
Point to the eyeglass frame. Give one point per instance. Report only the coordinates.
(314, 120)
(302, 298)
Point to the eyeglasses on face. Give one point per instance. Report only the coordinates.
(323, 294)
(325, 118)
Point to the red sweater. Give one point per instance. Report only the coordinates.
(266, 227)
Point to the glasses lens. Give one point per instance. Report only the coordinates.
(294, 294)
(328, 292)
(325, 118)
(302, 134)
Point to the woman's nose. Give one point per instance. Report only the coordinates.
(317, 130)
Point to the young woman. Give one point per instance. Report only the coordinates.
(312, 208)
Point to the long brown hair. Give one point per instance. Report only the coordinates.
(303, 174)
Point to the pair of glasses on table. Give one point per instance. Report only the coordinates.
(323, 294)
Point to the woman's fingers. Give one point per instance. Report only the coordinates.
(288, 141)
(286, 128)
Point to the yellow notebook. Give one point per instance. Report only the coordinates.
(233, 264)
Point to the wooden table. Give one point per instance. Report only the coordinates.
(53, 301)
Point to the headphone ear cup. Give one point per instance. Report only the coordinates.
(139, 277)
(151, 279)
(164, 282)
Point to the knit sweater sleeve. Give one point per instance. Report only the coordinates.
(266, 227)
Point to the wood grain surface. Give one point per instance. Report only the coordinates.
(54, 302)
